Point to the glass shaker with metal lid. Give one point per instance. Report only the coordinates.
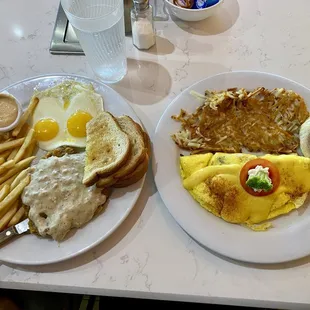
(142, 24)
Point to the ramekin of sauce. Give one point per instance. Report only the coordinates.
(10, 112)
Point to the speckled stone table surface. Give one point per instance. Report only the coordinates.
(150, 256)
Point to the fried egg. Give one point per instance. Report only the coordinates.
(62, 113)
(215, 185)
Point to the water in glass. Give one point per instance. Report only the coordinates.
(99, 26)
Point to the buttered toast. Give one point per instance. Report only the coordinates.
(107, 148)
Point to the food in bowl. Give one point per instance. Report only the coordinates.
(196, 10)
(186, 4)
(9, 112)
(194, 4)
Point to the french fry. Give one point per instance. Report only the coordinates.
(24, 131)
(4, 191)
(13, 196)
(8, 181)
(33, 104)
(7, 165)
(8, 145)
(8, 215)
(13, 153)
(4, 136)
(5, 154)
(30, 149)
(24, 146)
(17, 217)
(19, 177)
(17, 168)
(7, 139)
(2, 160)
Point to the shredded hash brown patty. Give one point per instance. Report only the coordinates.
(258, 120)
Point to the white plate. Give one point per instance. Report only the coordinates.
(288, 240)
(31, 250)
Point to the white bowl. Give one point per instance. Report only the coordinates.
(19, 114)
(192, 15)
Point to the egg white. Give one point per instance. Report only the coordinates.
(87, 102)
(59, 103)
(50, 107)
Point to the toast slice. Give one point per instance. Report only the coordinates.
(107, 148)
(138, 149)
(147, 141)
(135, 176)
(142, 168)
(106, 182)
(137, 152)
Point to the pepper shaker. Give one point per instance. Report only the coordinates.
(142, 25)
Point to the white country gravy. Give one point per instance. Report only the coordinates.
(57, 198)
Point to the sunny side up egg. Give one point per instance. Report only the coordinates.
(62, 114)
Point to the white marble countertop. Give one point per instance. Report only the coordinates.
(150, 256)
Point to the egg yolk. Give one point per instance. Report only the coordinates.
(76, 124)
(46, 129)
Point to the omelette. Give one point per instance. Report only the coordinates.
(246, 189)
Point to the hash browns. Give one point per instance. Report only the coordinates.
(228, 121)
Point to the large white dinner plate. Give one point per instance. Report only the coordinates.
(32, 250)
(290, 237)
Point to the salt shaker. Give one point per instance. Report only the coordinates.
(142, 24)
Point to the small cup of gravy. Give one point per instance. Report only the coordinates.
(10, 112)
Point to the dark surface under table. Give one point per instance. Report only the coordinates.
(30, 300)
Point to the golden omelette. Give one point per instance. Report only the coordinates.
(214, 182)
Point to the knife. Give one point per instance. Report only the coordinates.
(15, 230)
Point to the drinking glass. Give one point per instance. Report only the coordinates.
(100, 28)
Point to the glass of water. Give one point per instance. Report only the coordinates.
(100, 28)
